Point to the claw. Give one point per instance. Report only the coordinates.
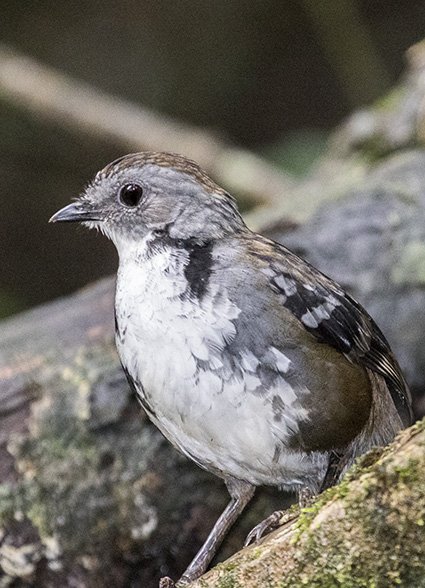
(254, 535)
(166, 582)
(269, 524)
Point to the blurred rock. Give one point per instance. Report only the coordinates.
(397, 121)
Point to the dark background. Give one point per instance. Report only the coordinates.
(275, 76)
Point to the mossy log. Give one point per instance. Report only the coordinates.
(367, 532)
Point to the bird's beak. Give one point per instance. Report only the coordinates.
(75, 212)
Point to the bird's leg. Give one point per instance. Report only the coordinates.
(241, 493)
(336, 465)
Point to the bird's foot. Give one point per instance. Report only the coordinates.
(272, 522)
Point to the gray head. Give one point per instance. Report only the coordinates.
(154, 193)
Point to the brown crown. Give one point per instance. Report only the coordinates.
(163, 159)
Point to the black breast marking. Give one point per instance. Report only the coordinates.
(198, 269)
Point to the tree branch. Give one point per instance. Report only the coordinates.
(47, 92)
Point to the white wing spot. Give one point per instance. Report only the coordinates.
(321, 312)
(287, 285)
(309, 321)
(268, 271)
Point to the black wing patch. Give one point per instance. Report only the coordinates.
(336, 319)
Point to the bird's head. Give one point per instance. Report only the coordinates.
(154, 193)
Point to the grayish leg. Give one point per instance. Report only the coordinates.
(241, 493)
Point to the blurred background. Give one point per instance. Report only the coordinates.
(272, 76)
(311, 113)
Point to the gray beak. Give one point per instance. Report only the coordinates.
(75, 212)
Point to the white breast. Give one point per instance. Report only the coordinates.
(168, 341)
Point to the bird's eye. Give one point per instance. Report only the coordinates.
(130, 195)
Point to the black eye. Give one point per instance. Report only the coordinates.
(131, 194)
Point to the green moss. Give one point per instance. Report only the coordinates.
(379, 522)
(228, 581)
(7, 503)
(255, 554)
(308, 514)
(373, 517)
(408, 473)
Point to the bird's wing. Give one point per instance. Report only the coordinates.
(334, 318)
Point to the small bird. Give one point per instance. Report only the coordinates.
(254, 364)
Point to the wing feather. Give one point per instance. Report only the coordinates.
(336, 319)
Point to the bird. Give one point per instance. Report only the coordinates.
(250, 361)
